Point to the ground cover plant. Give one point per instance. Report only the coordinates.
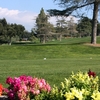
(61, 59)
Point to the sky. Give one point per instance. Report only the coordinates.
(24, 12)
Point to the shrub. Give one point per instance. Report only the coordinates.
(27, 88)
(79, 86)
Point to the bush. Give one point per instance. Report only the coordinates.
(26, 88)
(79, 86)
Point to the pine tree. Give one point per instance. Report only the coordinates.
(42, 26)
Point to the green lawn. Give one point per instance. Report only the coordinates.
(61, 59)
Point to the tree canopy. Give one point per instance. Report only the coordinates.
(84, 26)
(69, 6)
(43, 26)
(8, 31)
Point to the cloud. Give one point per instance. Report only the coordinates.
(25, 18)
(54, 19)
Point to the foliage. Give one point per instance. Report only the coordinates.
(8, 31)
(69, 6)
(79, 86)
(26, 88)
(43, 26)
(84, 27)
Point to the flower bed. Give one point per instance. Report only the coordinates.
(79, 86)
(26, 88)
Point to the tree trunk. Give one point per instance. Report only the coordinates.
(9, 43)
(44, 38)
(60, 36)
(94, 23)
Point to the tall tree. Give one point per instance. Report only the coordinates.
(42, 25)
(71, 5)
(3, 21)
(61, 27)
(11, 32)
(72, 27)
(3, 30)
(8, 31)
(84, 27)
(19, 30)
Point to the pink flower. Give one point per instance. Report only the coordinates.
(21, 87)
(11, 95)
(16, 80)
(36, 92)
(48, 87)
(24, 87)
(9, 80)
(43, 81)
(16, 87)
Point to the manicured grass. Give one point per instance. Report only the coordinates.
(62, 59)
(53, 51)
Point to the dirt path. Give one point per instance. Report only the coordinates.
(95, 45)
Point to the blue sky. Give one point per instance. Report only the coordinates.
(29, 5)
(24, 12)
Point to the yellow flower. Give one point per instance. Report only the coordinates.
(77, 93)
(69, 96)
(96, 95)
(54, 90)
(62, 84)
(67, 82)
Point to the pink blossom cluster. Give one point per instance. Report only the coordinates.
(25, 86)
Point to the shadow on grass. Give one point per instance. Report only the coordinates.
(46, 44)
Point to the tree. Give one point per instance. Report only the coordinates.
(84, 27)
(3, 30)
(3, 21)
(42, 26)
(61, 28)
(7, 31)
(98, 29)
(11, 32)
(72, 5)
(72, 27)
(19, 30)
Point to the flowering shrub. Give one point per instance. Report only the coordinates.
(79, 86)
(1, 89)
(27, 88)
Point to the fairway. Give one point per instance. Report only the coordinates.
(53, 70)
(61, 60)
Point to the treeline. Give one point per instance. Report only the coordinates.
(12, 32)
(63, 29)
(44, 31)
